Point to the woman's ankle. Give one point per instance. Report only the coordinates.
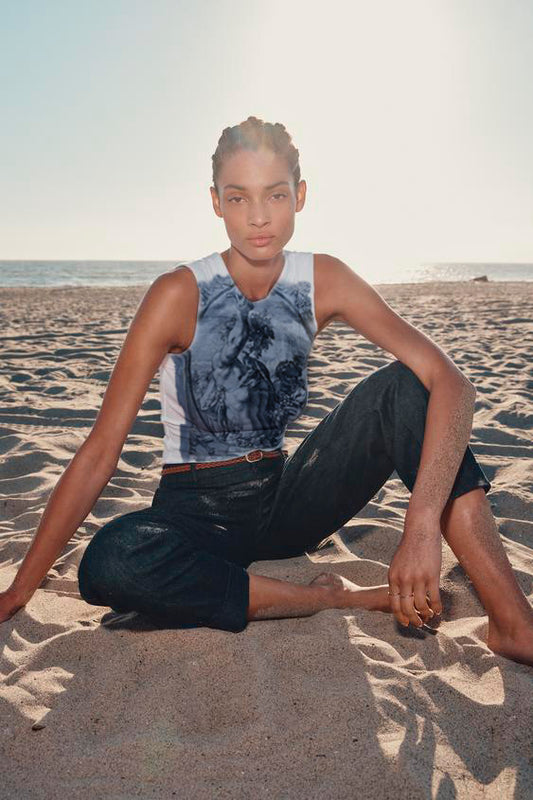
(343, 593)
(511, 624)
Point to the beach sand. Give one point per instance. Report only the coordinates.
(337, 705)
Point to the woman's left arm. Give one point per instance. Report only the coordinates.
(451, 401)
(414, 571)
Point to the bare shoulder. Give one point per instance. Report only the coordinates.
(333, 278)
(175, 301)
(179, 280)
(328, 269)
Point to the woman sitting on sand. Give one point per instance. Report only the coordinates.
(231, 335)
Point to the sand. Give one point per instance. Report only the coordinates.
(337, 705)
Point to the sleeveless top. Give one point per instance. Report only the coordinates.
(244, 375)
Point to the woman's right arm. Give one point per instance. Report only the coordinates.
(154, 329)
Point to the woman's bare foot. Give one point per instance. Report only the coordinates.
(346, 594)
(471, 530)
(513, 641)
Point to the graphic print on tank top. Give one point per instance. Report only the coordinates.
(244, 376)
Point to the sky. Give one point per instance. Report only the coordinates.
(413, 120)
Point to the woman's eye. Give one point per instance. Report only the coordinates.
(232, 199)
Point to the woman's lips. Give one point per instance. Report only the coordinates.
(261, 240)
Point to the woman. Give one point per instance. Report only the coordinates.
(231, 334)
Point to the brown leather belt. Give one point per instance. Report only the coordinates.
(253, 455)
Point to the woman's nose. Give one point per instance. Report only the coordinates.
(258, 215)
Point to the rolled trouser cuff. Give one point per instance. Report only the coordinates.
(232, 614)
(469, 476)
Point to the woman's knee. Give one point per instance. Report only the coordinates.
(410, 386)
(99, 572)
(393, 382)
(397, 370)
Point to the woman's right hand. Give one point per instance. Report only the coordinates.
(10, 602)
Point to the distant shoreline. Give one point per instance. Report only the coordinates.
(144, 286)
(64, 274)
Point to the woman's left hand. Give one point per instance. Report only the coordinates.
(414, 573)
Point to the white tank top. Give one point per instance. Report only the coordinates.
(244, 375)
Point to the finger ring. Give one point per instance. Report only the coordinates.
(408, 595)
(394, 594)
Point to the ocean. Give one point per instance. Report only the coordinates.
(135, 273)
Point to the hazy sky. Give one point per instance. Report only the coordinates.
(414, 122)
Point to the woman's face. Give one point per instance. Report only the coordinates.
(257, 198)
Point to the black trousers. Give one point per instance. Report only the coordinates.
(182, 561)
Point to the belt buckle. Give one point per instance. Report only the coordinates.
(251, 460)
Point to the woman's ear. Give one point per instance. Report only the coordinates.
(216, 201)
(300, 195)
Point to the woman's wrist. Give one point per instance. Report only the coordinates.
(422, 513)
